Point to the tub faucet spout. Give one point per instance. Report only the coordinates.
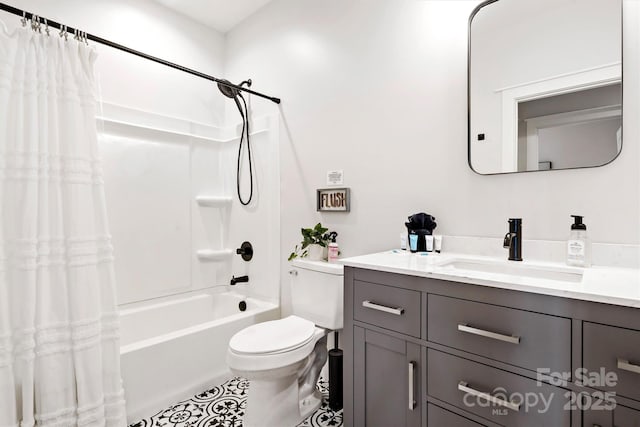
(513, 239)
(241, 279)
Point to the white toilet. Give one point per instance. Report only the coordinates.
(282, 358)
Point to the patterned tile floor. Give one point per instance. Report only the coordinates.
(223, 406)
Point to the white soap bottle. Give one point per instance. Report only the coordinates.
(578, 245)
(333, 251)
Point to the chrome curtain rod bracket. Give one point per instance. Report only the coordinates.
(26, 15)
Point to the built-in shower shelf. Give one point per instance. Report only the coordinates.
(214, 201)
(211, 255)
(119, 120)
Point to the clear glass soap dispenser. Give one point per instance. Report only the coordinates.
(578, 245)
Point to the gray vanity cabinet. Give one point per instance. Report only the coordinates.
(386, 380)
(620, 417)
(617, 350)
(427, 352)
(625, 417)
(388, 307)
(517, 337)
(467, 384)
(441, 417)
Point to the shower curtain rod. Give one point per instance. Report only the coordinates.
(50, 23)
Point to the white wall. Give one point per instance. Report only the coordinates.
(378, 88)
(152, 177)
(151, 28)
(580, 144)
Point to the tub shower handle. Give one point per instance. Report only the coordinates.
(245, 251)
(380, 307)
(488, 334)
(464, 387)
(629, 367)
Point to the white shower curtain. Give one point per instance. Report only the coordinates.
(59, 348)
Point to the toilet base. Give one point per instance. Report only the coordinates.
(310, 405)
(285, 396)
(276, 403)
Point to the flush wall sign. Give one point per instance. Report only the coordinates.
(333, 199)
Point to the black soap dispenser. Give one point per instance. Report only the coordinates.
(578, 245)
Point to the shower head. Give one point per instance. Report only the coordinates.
(232, 91)
(229, 91)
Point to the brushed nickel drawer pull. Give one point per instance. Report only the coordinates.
(393, 310)
(500, 337)
(464, 387)
(412, 379)
(629, 367)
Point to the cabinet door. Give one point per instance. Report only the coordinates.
(616, 350)
(625, 417)
(591, 418)
(438, 417)
(619, 417)
(386, 380)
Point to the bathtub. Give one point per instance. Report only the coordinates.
(175, 348)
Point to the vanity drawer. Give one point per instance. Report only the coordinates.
(388, 307)
(521, 338)
(438, 417)
(616, 350)
(468, 385)
(619, 417)
(626, 417)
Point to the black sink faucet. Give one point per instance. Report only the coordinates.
(241, 279)
(513, 239)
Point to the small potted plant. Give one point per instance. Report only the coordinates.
(314, 243)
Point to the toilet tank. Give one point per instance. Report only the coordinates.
(316, 292)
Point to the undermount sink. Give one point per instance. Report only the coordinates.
(512, 268)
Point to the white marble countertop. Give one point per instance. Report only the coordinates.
(619, 286)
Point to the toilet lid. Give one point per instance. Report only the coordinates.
(274, 336)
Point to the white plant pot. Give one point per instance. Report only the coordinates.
(316, 252)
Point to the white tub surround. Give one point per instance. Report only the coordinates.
(175, 347)
(214, 201)
(170, 185)
(610, 285)
(214, 255)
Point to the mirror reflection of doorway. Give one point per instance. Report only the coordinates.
(577, 129)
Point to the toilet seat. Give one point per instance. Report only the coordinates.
(273, 337)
